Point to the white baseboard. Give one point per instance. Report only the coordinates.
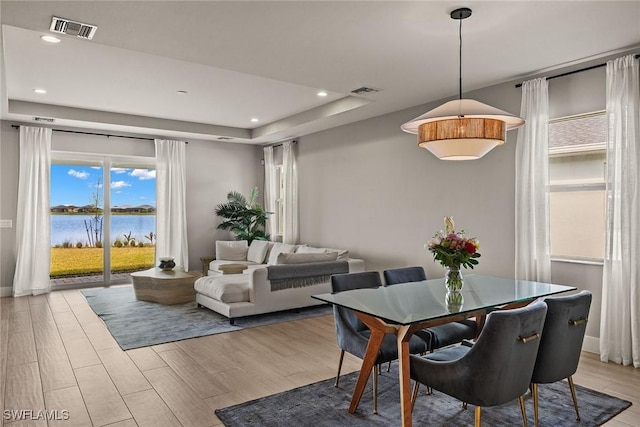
(5, 291)
(591, 344)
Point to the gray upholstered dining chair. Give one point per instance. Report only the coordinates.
(353, 335)
(496, 369)
(435, 336)
(561, 343)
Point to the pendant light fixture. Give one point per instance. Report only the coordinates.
(462, 129)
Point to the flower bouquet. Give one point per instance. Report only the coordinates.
(453, 250)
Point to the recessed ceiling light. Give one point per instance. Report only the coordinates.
(322, 93)
(50, 39)
(255, 119)
(40, 91)
(181, 92)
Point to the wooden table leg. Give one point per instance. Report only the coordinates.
(403, 336)
(375, 340)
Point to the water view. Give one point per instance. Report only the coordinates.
(71, 228)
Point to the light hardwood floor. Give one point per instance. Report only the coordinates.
(56, 354)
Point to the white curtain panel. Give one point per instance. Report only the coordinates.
(620, 320)
(290, 233)
(33, 223)
(171, 211)
(532, 179)
(270, 190)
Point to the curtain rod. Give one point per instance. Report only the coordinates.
(293, 141)
(108, 135)
(576, 71)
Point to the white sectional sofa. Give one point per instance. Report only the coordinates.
(278, 277)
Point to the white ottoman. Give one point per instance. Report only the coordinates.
(228, 295)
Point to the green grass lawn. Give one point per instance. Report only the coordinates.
(83, 261)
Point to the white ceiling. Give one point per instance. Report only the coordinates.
(241, 59)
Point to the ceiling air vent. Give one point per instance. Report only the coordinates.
(44, 119)
(72, 28)
(364, 90)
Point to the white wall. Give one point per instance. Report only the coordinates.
(213, 169)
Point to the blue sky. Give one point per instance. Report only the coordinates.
(74, 184)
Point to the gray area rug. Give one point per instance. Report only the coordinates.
(321, 404)
(136, 324)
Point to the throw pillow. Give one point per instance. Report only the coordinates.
(310, 250)
(298, 258)
(234, 250)
(342, 253)
(258, 251)
(279, 248)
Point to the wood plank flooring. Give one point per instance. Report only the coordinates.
(57, 355)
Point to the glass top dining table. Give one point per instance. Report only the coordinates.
(404, 308)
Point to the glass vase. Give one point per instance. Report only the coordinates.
(453, 279)
(454, 301)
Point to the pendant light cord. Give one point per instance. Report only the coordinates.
(460, 57)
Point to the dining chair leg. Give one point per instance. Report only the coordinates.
(375, 388)
(478, 416)
(389, 366)
(339, 368)
(534, 393)
(573, 395)
(414, 394)
(524, 411)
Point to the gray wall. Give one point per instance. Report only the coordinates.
(213, 169)
(368, 188)
(9, 165)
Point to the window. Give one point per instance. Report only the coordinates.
(577, 161)
(102, 217)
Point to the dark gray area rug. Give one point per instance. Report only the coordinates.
(321, 404)
(136, 324)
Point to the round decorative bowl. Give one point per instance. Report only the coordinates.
(166, 263)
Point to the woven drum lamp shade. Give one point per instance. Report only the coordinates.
(463, 129)
(461, 139)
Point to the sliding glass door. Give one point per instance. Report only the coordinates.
(102, 218)
(77, 222)
(132, 218)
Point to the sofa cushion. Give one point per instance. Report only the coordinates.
(234, 250)
(258, 251)
(342, 254)
(279, 248)
(302, 258)
(224, 289)
(304, 249)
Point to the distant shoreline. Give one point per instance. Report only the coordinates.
(101, 213)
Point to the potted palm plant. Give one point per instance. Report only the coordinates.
(243, 216)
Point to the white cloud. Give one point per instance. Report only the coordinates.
(142, 197)
(118, 192)
(120, 184)
(78, 174)
(119, 170)
(95, 185)
(96, 167)
(143, 174)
